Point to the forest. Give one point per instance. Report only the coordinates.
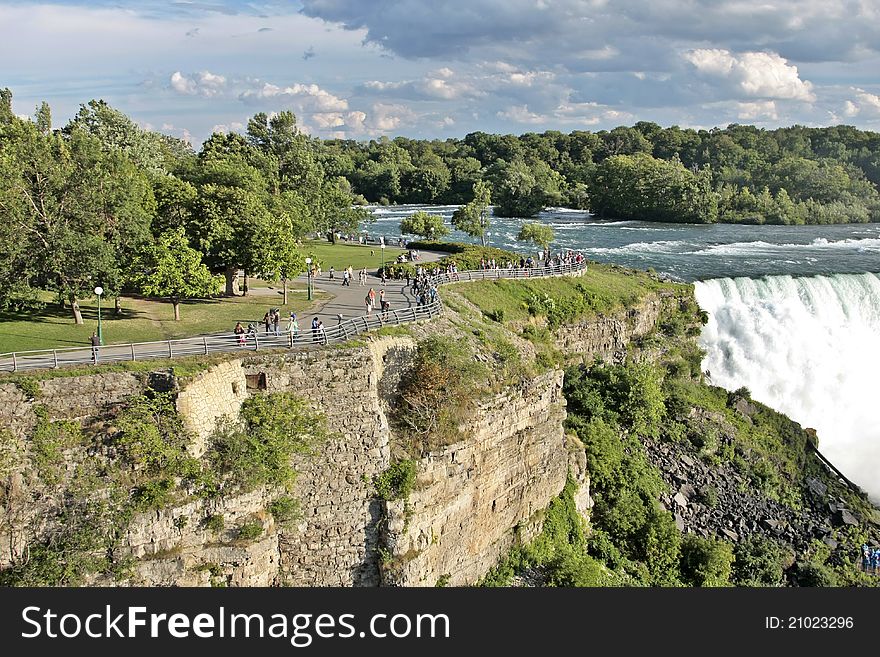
(737, 174)
(101, 201)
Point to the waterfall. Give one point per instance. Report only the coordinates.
(808, 347)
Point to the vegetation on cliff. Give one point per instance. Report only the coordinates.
(94, 479)
(696, 486)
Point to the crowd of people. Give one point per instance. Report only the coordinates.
(422, 286)
(871, 559)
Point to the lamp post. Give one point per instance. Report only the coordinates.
(488, 235)
(383, 255)
(309, 273)
(99, 291)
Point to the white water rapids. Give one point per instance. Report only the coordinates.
(809, 347)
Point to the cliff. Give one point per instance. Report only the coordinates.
(422, 456)
(472, 501)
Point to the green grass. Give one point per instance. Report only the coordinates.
(142, 320)
(343, 254)
(602, 289)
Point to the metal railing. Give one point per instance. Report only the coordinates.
(301, 339)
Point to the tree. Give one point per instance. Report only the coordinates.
(77, 209)
(473, 218)
(283, 260)
(117, 131)
(537, 233)
(171, 268)
(424, 225)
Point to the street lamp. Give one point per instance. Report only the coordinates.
(99, 291)
(383, 255)
(488, 235)
(309, 273)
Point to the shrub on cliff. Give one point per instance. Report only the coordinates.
(258, 449)
(758, 562)
(436, 394)
(705, 561)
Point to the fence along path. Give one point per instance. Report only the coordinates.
(226, 341)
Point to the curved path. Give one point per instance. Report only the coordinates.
(347, 301)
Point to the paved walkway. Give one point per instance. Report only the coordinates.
(347, 300)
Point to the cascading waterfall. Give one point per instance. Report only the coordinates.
(809, 347)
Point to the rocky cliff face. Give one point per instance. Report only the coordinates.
(472, 500)
(475, 498)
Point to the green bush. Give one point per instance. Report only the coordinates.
(30, 388)
(436, 394)
(49, 439)
(249, 530)
(662, 546)
(496, 315)
(815, 575)
(705, 561)
(215, 523)
(284, 509)
(397, 482)
(758, 561)
(258, 449)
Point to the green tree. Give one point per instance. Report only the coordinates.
(523, 189)
(705, 561)
(171, 268)
(78, 210)
(283, 260)
(424, 225)
(537, 233)
(473, 218)
(117, 131)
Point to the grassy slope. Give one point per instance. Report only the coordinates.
(342, 255)
(602, 289)
(142, 320)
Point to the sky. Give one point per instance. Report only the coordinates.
(360, 69)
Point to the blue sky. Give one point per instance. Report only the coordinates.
(361, 69)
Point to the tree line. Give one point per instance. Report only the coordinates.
(739, 174)
(102, 202)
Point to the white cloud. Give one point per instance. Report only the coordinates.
(758, 74)
(226, 128)
(762, 110)
(439, 84)
(203, 84)
(310, 97)
(566, 113)
(521, 114)
(385, 117)
(865, 104)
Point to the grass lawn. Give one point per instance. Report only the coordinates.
(142, 320)
(343, 254)
(602, 289)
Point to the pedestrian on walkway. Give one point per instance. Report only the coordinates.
(292, 330)
(344, 278)
(368, 302)
(239, 331)
(322, 334)
(316, 323)
(267, 321)
(96, 343)
(276, 320)
(332, 270)
(381, 298)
